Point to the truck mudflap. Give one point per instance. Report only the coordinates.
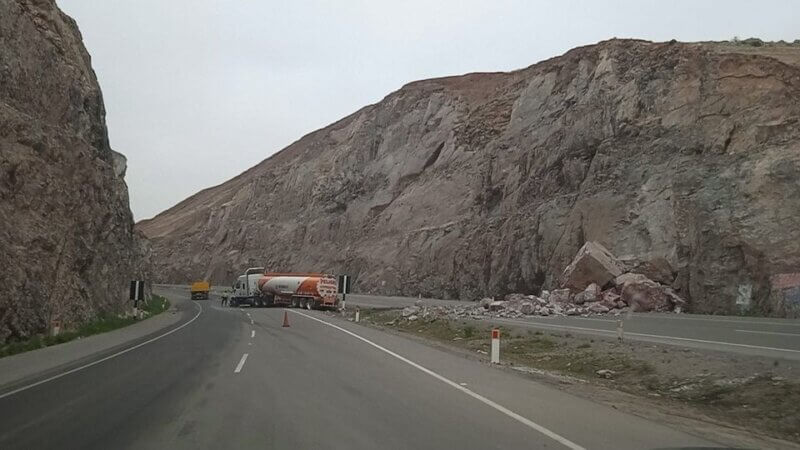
(330, 301)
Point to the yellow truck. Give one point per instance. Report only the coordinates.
(200, 290)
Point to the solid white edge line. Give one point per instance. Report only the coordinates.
(241, 363)
(567, 327)
(768, 332)
(525, 421)
(54, 377)
(788, 323)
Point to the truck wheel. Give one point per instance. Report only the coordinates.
(309, 304)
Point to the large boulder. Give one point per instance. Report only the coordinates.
(560, 296)
(588, 295)
(656, 269)
(611, 299)
(527, 308)
(497, 306)
(592, 264)
(644, 294)
(644, 297)
(598, 308)
(627, 278)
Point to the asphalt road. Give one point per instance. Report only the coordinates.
(778, 338)
(321, 383)
(766, 337)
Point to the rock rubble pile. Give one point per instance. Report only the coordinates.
(581, 295)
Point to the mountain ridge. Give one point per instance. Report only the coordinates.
(487, 183)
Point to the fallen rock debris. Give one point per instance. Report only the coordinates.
(603, 289)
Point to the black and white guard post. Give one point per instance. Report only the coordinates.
(344, 288)
(137, 294)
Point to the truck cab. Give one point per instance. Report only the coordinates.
(199, 290)
(245, 289)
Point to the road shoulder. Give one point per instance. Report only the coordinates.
(683, 419)
(24, 368)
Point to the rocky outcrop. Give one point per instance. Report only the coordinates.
(66, 232)
(682, 158)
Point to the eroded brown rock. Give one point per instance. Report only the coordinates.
(67, 242)
(486, 184)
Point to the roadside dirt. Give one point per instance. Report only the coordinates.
(740, 400)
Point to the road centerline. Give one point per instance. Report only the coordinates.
(241, 363)
(524, 420)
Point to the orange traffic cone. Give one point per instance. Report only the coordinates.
(285, 318)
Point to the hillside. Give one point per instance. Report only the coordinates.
(683, 155)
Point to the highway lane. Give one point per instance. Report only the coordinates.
(770, 337)
(755, 336)
(775, 338)
(106, 404)
(307, 386)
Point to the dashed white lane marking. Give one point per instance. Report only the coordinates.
(241, 363)
(85, 366)
(768, 332)
(252, 333)
(524, 420)
(668, 338)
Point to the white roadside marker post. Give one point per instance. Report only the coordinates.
(358, 314)
(495, 346)
(55, 327)
(620, 331)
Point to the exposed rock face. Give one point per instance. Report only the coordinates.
(487, 184)
(67, 241)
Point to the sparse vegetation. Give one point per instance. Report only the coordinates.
(469, 331)
(756, 42)
(101, 324)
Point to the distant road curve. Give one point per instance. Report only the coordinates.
(758, 336)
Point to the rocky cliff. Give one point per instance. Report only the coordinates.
(683, 158)
(67, 241)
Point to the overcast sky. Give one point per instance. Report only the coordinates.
(197, 91)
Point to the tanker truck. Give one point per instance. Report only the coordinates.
(299, 290)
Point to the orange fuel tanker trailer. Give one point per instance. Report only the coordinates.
(303, 290)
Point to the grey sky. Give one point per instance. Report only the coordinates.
(197, 91)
